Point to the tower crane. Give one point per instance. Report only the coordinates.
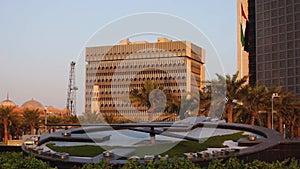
(71, 95)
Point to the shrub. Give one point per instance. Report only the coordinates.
(18, 161)
(234, 163)
(216, 164)
(176, 163)
(102, 165)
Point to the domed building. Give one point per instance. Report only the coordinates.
(7, 108)
(33, 104)
(13, 131)
(8, 103)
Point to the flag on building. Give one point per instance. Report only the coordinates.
(242, 35)
(243, 12)
(244, 26)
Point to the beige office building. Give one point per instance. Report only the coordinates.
(242, 55)
(112, 71)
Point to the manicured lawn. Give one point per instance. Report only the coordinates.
(81, 151)
(172, 149)
(212, 142)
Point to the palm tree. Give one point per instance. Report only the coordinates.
(150, 95)
(212, 99)
(142, 96)
(233, 92)
(276, 103)
(252, 101)
(90, 118)
(173, 106)
(72, 119)
(31, 117)
(53, 119)
(205, 101)
(288, 110)
(189, 105)
(6, 114)
(109, 118)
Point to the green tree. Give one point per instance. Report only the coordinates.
(154, 97)
(32, 117)
(6, 115)
(233, 92)
(189, 105)
(53, 119)
(252, 101)
(13, 160)
(282, 105)
(90, 118)
(205, 101)
(287, 108)
(70, 119)
(142, 96)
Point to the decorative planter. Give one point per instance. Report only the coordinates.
(165, 157)
(66, 134)
(252, 137)
(135, 158)
(108, 153)
(149, 158)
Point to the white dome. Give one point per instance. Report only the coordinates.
(7, 103)
(32, 104)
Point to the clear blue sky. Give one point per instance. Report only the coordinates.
(39, 38)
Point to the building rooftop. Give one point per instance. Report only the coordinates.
(32, 104)
(7, 103)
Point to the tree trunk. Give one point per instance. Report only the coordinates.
(269, 120)
(292, 129)
(150, 114)
(280, 125)
(298, 132)
(252, 118)
(229, 114)
(31, 129)
(5, 127)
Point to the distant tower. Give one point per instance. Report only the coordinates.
(71, 98)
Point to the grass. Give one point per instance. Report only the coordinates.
(80, 151)
(211, 142)
(172, 149)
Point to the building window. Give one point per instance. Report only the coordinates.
(298, 80)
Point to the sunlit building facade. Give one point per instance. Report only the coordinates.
(112, 71)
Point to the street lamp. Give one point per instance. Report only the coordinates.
(274, 95)
(46, 112)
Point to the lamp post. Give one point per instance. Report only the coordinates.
(46, 112)
(274, 95)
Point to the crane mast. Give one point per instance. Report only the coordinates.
(71, 95)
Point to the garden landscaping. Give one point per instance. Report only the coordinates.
(19, 160)
(175, 151)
